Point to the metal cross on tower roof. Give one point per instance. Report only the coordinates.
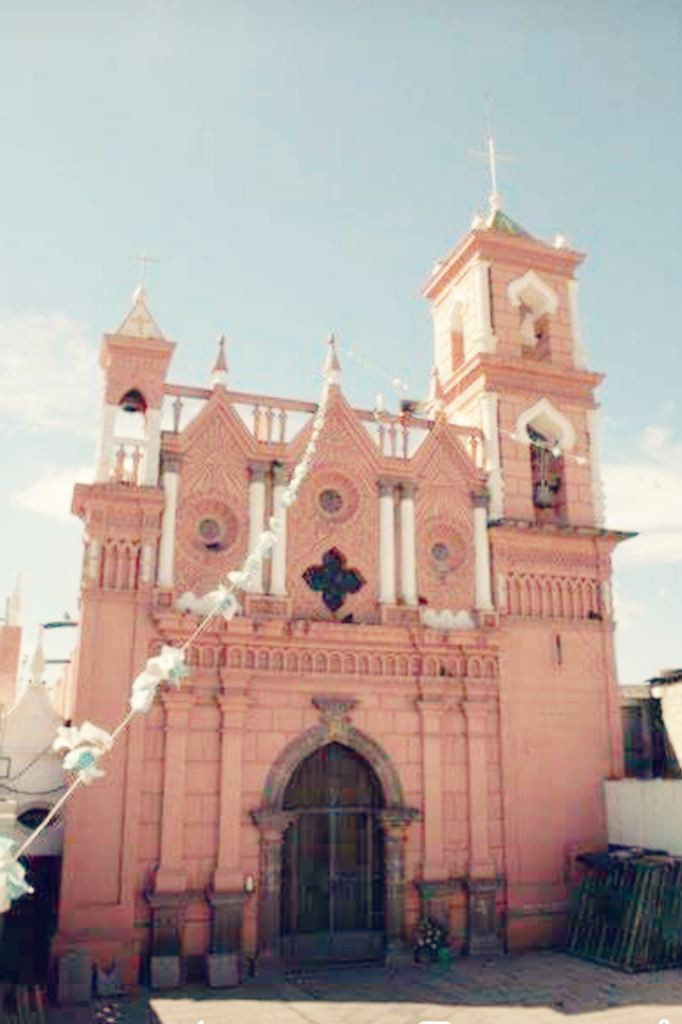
(143, 260)
(493, 156)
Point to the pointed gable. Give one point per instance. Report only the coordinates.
(443, 457)
(212, 519)
(139, 323)
(215, 446)
(445, 527)
(342, 438)
(336, 510)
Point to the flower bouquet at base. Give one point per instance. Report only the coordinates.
(431, 942)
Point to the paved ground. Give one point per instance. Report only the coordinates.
(540, 988)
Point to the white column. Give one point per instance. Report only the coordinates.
(386, 544)
(147, 563)
(256, 519)
(94, 550)
(579, 353)
(598, 497)
(408, 560)
(106, 442)
(278, 577)
(171, 480)
(152, 448)
(482, 556)
(482, 338)
(490, 426)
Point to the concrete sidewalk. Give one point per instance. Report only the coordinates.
(540, 988)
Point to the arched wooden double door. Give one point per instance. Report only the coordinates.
(333, 859)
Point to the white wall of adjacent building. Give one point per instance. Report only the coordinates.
(645, 812)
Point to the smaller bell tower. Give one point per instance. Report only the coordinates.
(135, 360)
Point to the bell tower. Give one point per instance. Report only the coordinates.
(121, 513)
(135, 360)
(510, 360)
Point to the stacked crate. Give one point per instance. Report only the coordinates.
(628, 910)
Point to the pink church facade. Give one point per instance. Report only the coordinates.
(417, 705)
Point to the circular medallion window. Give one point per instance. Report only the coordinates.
(209, 531)
(337, 499)
(330, 501)
(445, 548)
(440, 551)
(207, 528)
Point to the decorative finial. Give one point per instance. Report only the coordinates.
(332, 366)
(219, 372)
(435, 400)
(139, 322)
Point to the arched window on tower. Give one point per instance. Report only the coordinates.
(536, 303)
(129, 437)
(547, 475)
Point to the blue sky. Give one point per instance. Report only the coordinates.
(299, 167)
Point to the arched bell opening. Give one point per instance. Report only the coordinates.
(549, 435)
(129, 436)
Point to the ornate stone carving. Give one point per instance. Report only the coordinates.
(272, 826)
(395, 822)
(335, 715)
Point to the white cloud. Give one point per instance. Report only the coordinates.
(645, 494)
(48, 373)
(51, 495)
(627, 610)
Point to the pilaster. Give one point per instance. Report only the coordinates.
(431, 714)
(170, 876)
(395, 822)
(228, 873)
(272, 826)
(480, 860)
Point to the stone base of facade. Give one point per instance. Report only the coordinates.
(165, 972)
(74, 978)
(224, 970)
(267, 606)
(270, 968)
(397, 956)
(484, 934)
(541, 927)
(399, 615)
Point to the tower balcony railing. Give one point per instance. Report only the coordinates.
(127, 462)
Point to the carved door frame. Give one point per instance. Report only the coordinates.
(273, 820)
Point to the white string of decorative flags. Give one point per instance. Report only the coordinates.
(403, 386)
(87, 744)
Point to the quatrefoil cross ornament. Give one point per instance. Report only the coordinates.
(333, 580)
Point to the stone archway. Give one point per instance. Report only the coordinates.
(274, 819)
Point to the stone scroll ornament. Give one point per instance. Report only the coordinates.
(86, 745)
